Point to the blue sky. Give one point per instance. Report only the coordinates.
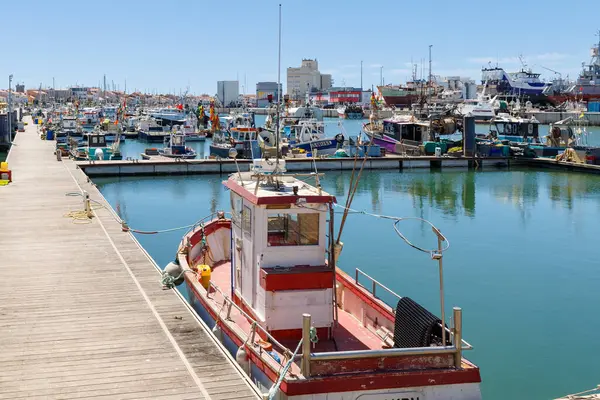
(167, 45)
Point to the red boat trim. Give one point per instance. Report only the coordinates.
(296, 334)
(209, 228)
(298, 278)
(391, 380)
(382, 364)
(238, 189)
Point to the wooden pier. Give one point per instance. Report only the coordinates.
(82, 310)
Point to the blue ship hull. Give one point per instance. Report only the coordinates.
(323, 146)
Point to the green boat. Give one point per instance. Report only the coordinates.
(97, 149)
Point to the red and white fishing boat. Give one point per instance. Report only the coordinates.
(301, 329)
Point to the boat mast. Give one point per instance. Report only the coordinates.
(429, 83)
(278, 95)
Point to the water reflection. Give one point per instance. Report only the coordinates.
(216, 187)
(566, 188)
(454, 193)
(448, 192)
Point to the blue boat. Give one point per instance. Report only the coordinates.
(174, 148)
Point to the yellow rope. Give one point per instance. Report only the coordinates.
(81, 216)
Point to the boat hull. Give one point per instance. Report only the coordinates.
(402, 100)
(246, 150)
(323, 146)
(354, 115)
(386, 143)
(195, 138)
(187, 156)
(336, 389)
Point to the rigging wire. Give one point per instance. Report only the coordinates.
(397, 220)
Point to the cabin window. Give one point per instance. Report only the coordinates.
(293, 229)
(236, 209)
(247, 220)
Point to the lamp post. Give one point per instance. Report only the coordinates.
(10, 77)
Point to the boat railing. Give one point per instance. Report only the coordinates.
(205, 219)
(373, 285)
(229, 304)
(456, 349)
(372, 288)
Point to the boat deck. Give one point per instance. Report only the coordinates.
(82, 311)
(349, 335)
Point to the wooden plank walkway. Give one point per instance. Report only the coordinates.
(82, 311)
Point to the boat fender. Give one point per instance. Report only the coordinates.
(241, 357)
(204, 277)
(99, 154)
(218, 332)
(172, 274)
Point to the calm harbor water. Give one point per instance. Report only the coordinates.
(522, 262)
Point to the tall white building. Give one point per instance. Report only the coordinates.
(306, 78)
(228, 92)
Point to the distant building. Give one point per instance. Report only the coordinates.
(306, 78)
(80, 93)
(59, 95)
(345, 95)
(228, 92)
(326, 81)
(263, 90)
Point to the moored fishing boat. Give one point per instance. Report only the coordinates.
(95, 148)
(174, 148)
(515, 129)
(239, 132)
(309, 136)
(351, 111)
(265, 281)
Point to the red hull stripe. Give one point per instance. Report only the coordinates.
(251, 197)
(382, 364)
(389, 380)
(296, 334)
(298, 278)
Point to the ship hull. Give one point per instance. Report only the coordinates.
(562, 97)
(386, 143)
(400, 100)
(323, 146)
(354, 115)
(396, 387)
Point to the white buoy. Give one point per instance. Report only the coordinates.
(99, 154)
(241, 357)
(175, 271)
(218, 332)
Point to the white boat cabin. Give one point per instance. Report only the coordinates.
(279, 247)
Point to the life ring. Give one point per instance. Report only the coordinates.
(339, 138)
